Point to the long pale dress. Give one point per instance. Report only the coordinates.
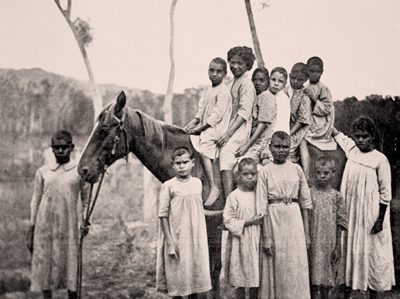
(214, 108)
(243, 98)
(285, 274)
(54, 212)
(243, 244)
(323, 117)
(366, 183)
(300, 111)
(328, 212)
(181, 202)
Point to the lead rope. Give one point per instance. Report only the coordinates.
(89, 212)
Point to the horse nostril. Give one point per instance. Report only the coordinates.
(85, 171)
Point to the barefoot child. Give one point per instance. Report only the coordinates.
(328, 219)
(240, 218)
(300, 115)
(212, 120)
(182, 256)
(366, 189)
(54, 233)
(283, 191)
(241, 60)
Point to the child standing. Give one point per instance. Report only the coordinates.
(328, 219)
(264, 117)
(53, 235)
(241, 60)
(211, 121)
(283, 191)
(366, 188)
(182, 257)
(323, 110)
(240, 218)
(300, 115)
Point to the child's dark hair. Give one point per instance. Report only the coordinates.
(300, 68)
(315, 61)
(326, 160)
(220, 61)
(280, 135)
(280, 70)
(364, 123)
(180, 151)
(261, 70)
(245, 53)
(62, 135)
(246, 161)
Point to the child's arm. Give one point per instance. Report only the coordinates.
(304, 213)
(223, 139)
(35, 203)
(191, 124)
(257, 133)
(297, 126)
(323, 104)
(337, 251)
(341, 223)
(172, 250)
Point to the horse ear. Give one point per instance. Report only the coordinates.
(121, 101)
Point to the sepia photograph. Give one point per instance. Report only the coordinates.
(200, 149)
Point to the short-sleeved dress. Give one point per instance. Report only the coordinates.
(214, 108)
(54, 212)
(285, 274)
(243, 244)
(328, 212)
(300, 111)
(243, 98)
(366, 183)
(181, 202)
(264, 110)
(323, 117)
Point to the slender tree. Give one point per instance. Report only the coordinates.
(83, 36)
(169, 95)
(256, 43)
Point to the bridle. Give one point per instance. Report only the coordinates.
(120, 129)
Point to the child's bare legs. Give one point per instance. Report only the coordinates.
(305, 158)
(214, 189)
(227, 182)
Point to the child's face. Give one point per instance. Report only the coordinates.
(62, 150)
(277, 82)
(363, 140)
(216, 73)
(238, 66)
(260, 82)
(248, 177)
(297, 80)
(280, 149)
(183, 166)
(314, 73)
(324, 174)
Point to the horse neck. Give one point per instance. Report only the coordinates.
(153, 151)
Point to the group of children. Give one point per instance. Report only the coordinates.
(282, 234)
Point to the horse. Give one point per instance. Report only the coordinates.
(120, 130)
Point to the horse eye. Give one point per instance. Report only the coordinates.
(103, 134)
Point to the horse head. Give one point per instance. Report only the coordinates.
(107, 143)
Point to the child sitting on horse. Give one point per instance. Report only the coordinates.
(300, 115)
(53, 236)
(284, 195)
(241, 60)
(328, 219)
(182, 255)
(277, 83)
(211, 121)
(264, 117)
(243, 221)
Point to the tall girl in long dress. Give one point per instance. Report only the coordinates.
(283, 191)
(366, 189)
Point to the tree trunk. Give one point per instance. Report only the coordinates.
(168, 97)
(256, 43)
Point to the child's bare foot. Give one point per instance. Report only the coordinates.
(214, 194)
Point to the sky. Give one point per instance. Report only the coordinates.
(358, 40)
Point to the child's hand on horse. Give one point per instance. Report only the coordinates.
(223, 139)
(241, 151)
(308, 93)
